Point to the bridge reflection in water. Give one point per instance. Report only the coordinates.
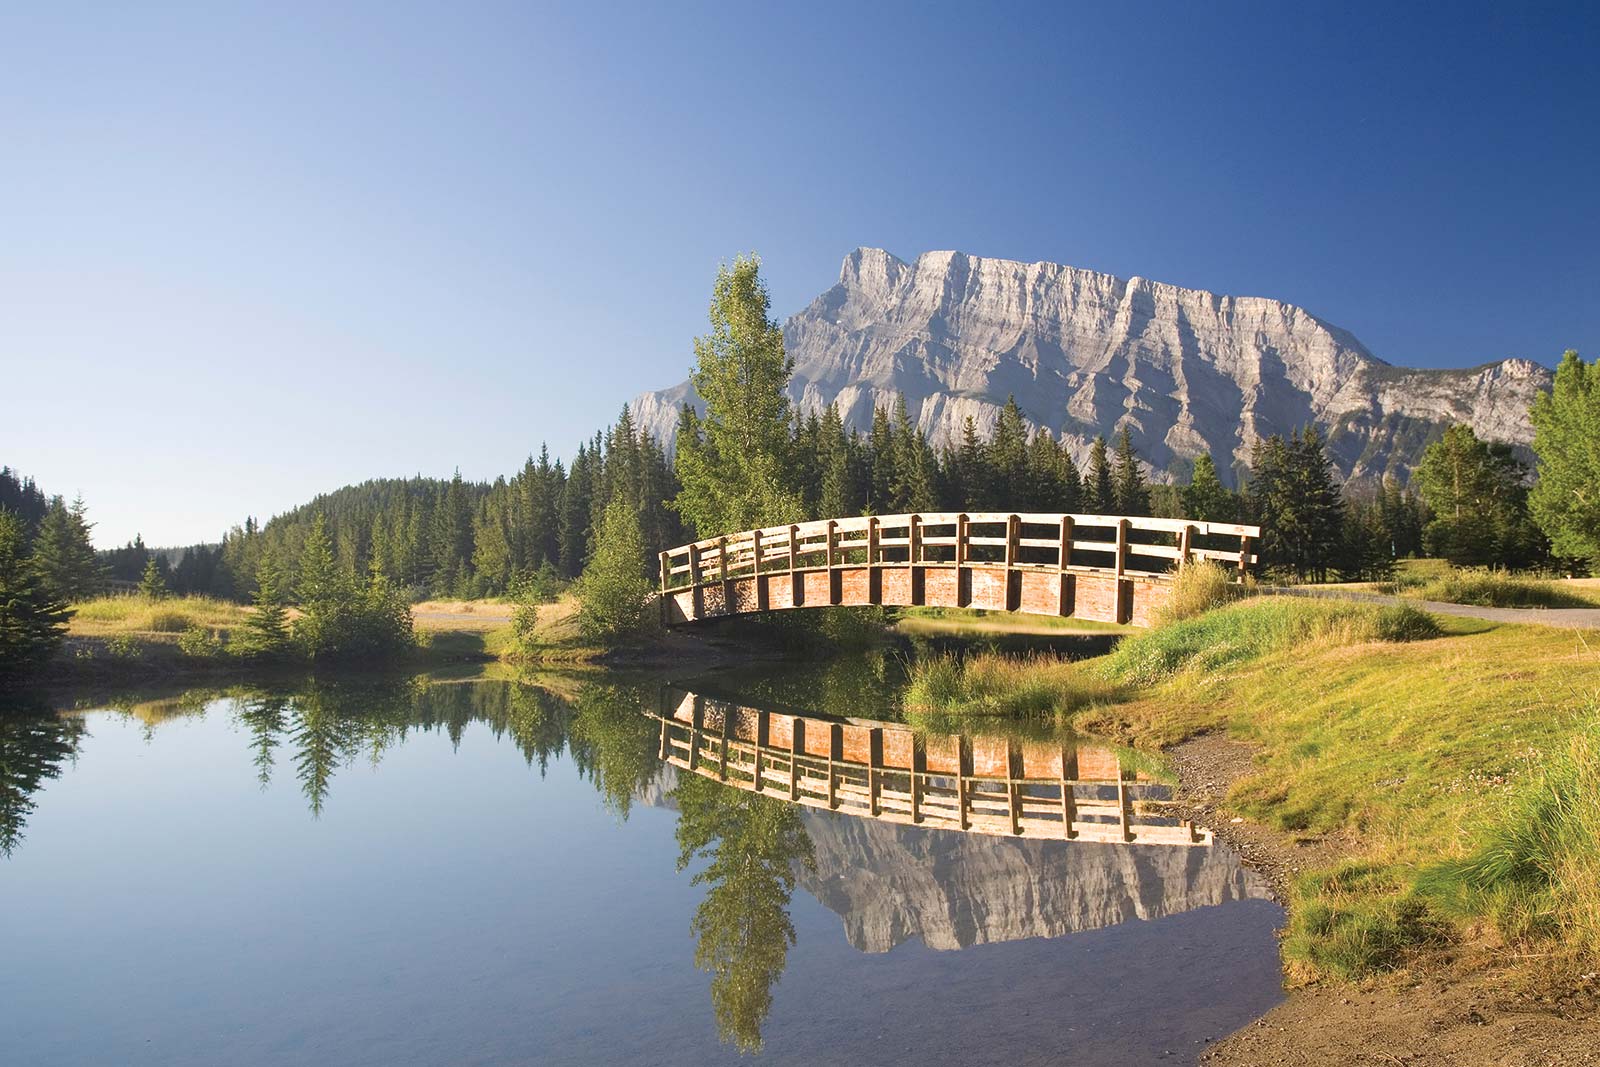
(889, 772)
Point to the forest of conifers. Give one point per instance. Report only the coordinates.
(458, 538)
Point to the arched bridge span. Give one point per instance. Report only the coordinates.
(1110, 568)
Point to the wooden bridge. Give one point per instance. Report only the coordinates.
(1105, 567)
(887, 771)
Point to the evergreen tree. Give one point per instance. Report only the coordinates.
(1477, 493)
(1205, 497)
(1099, 488)
(973, 487)
(1008, 458)
(1566, 438)
(63, 553)
(32, 620)
(266, 631)
(153, 582)
(1129, 494)
(732, 467)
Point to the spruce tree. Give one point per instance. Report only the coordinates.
(732, 465)
(266, 630)
(1008, 458)
(1205, 497)
(32, 620)
(1100, 490)
(63, 553)
(153, 582)
(1129, 493)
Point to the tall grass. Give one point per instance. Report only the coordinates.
(1246, 631)
(947, 692)
(1200, 586)
(1536, 873)
(1490, 589)
(172, 615)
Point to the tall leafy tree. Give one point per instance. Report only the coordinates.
(615, 588)
(32, 620)
(1566, 438)
(732, 467)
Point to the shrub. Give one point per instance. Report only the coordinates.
(614, 586)
(200, 642)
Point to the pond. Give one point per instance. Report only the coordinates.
(492, 871)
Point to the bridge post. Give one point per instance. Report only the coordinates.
(761, 585)
(665, 567)
(1069, 803)
(722, 558)
(1124, 611)
(797, 747)
(834, 595)
(1244, 557)
(696, 598)
(1064, 560)
(961, 558)
(914, 591)
(1185, 546)
(919, 768)
(1013, 578)
(763, 739)
(796, 579)
(873, 549)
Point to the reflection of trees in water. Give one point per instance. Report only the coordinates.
(328, 725)
(751, 844)
(33, 746)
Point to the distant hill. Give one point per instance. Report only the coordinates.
(1085, 353)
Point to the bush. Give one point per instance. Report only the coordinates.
(614, 588)
(1495, 589)
(200, 642)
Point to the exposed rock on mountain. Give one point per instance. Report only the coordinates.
(890, 883)
(1185, 370)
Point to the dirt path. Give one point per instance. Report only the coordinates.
(1460, 1007)
(1570, 618)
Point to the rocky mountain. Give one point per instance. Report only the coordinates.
(890, 883)
(1085, 353)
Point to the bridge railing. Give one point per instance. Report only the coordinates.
(1109, 544)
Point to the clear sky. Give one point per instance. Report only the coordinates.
(249, 253)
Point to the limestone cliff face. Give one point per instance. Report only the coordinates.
(1085, 353)
(890, 883)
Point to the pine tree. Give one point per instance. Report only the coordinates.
(1205, 497)
(32, 620)
(153, 582)
(732, 466)
(266, 630)
(63, 553)
(1008, 458)
(1130, 495)
(972, 477)
(1099, 488)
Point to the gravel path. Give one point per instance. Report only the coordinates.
(1570, 618)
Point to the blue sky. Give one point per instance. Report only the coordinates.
(252, 253)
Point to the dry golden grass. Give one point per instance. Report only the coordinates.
(112, 615)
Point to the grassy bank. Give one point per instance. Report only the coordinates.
(1450, 765)
(1490, 589)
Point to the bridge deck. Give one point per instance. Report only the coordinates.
(886, 771)
(1105, 567)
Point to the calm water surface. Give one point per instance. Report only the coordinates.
(491, 872)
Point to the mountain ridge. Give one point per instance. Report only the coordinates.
(1187, 371)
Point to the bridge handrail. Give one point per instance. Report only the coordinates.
(822, 544)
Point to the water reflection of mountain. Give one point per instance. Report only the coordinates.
(892, 883)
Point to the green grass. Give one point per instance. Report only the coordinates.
(947, 693)
(1239, 633)
(931, 619)
(1488, 588)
